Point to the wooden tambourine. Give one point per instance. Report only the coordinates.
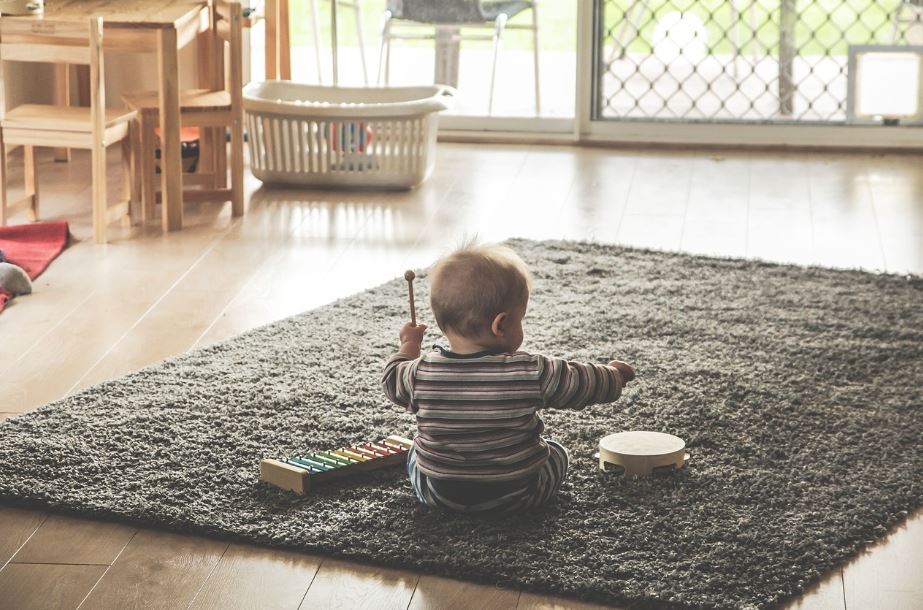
(642, 452)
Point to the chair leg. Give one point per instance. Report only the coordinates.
(127, 180)
(148, 175)
(315, 29)
(98, 156)
(357, 4)
(134, 172)
(896, 24)
(620, 44)
(2, 181)
(535, 57)
(205, 165)
(221, 157)
(30, 173)
(499, 24)
(384, 51)
(237, 169)
(735, 37)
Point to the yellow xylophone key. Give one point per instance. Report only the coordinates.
(351, 455)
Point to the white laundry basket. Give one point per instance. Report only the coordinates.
(339, 136)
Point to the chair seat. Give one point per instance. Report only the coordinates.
(192, 99)
(455, 12)
(46, 117)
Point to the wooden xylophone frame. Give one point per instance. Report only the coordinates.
(299, 472)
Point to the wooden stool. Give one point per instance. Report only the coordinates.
(642, 452)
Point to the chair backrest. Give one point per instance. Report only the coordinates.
(63, 42)
(227, 21)
(437, 11)
(46, 40)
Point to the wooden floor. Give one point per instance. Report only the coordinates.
(102, 311)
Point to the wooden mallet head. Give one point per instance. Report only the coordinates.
(409, 276)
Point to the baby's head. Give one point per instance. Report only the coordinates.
(479, 294)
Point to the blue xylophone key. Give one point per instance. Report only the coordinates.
(325, 460)
(298, 464)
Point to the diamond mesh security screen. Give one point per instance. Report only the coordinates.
(738, 60)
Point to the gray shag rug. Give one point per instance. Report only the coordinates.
(798, 391)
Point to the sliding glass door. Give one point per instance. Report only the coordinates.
(726, 70)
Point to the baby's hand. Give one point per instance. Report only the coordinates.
(624, 368)
(412, 334)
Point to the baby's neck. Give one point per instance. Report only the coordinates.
(462, 345)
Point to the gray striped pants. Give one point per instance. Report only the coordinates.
(516, 496)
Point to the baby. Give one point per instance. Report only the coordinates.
(479, 445)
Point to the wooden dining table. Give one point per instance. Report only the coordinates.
(160, 27)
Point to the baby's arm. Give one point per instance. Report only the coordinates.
(575, 385)
(397, 380)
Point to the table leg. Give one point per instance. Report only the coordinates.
(448, 49)
(171, 164)
(285, 49)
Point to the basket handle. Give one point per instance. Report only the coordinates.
(444, 96)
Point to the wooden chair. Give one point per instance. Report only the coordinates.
(212, 110)
(34, 125)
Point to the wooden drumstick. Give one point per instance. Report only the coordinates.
(409, 275)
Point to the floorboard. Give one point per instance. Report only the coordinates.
(339, 584)
(438, 593)
(888, 575)
(254, 578)
(17, 525)
(46, 586)
(71, 540)
(156, 570)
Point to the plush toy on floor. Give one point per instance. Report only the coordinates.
(14, 280)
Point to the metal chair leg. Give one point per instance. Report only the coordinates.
(896, 24)
(735, 37)
(535, 56)
(315, 26)
(384, 51)
(499, 24)
(619, 47)
(365, 70)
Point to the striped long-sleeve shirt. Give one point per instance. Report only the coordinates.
(476, 413)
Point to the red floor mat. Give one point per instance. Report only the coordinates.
(32, 247)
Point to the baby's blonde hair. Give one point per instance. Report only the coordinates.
(470, 286)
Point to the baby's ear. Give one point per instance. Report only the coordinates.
(497, 327)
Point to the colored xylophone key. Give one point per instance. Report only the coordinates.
(297, 473)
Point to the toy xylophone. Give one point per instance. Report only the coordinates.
(297, 473)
